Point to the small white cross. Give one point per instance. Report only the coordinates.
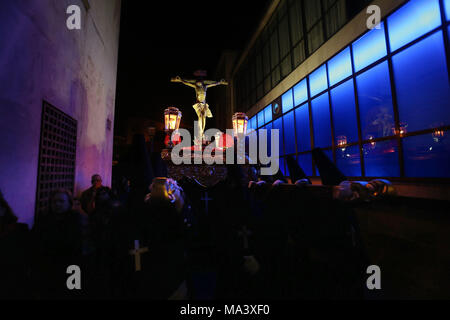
(137, 254)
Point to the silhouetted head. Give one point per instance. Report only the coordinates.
(6, 214)
(96, 181)
(61, 201)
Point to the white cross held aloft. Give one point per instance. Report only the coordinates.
(137, 251)
(244, 233)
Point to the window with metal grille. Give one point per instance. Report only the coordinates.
(57, 154)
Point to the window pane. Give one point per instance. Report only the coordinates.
(275, 76)
(259, 91)
(286, 66)
(303, 129)
(277, 124)
(423, 89)
(381, 159)
(314, 12)
(282, 167)
(268, 113)
(299, 53)
(344, 113)
(287, 102)
(261, 121)
(321, 121)
(268, 129)
(427, 155)
(348, 161)
(375, 103)
(267, 84)
(318, 81)
(315, 38)
(447, 9)
(369, 48)
(340, 67)
(300, 93)
(289, 133)
(266, 60)
(259, 73)
(305, 162)
(336, 18)
(295, 20)
(413, 20)
(274, 50)
(285, 45)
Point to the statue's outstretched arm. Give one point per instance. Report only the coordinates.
(210, 84)
(190, 83)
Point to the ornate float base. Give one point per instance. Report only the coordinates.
(206, 174)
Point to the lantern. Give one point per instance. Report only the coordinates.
(240, 121)
(438, 135)
(401, 130)
(172, 118)
(341, 142)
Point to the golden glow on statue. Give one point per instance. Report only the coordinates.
(201, 107)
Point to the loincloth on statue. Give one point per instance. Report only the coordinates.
(202, 109)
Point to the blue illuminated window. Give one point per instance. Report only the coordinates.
(255, 122)
(261, 119)
(300, 92)
(268, 113)
(321, 121)
(303, 129)
(369, 48)
(278, 124)
(318, 81)
(305, 162)
(375, 102)
(427, 155)
(250, 125)
(344, 113)
(282, 166)
(381, 159)
(340, 67)
(447, 9)
(423, 90)
(413, 20)
(268, 129)
(287, 102)
(289, 133)
(348, 161)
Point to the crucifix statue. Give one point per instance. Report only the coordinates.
(201, 107)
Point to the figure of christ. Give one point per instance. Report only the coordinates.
(201, 107)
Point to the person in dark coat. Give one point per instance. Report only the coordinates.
(59, 238)
(14, 253)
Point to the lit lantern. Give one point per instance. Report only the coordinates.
(341, 142)
(240, 121)
(438, 135)
(172, 118)
(401, 130)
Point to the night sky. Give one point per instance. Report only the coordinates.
(162, 39)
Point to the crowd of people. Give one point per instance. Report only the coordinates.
(269, 240)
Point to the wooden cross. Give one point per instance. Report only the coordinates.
(244, 233)
(137, 254)
(206, 199)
